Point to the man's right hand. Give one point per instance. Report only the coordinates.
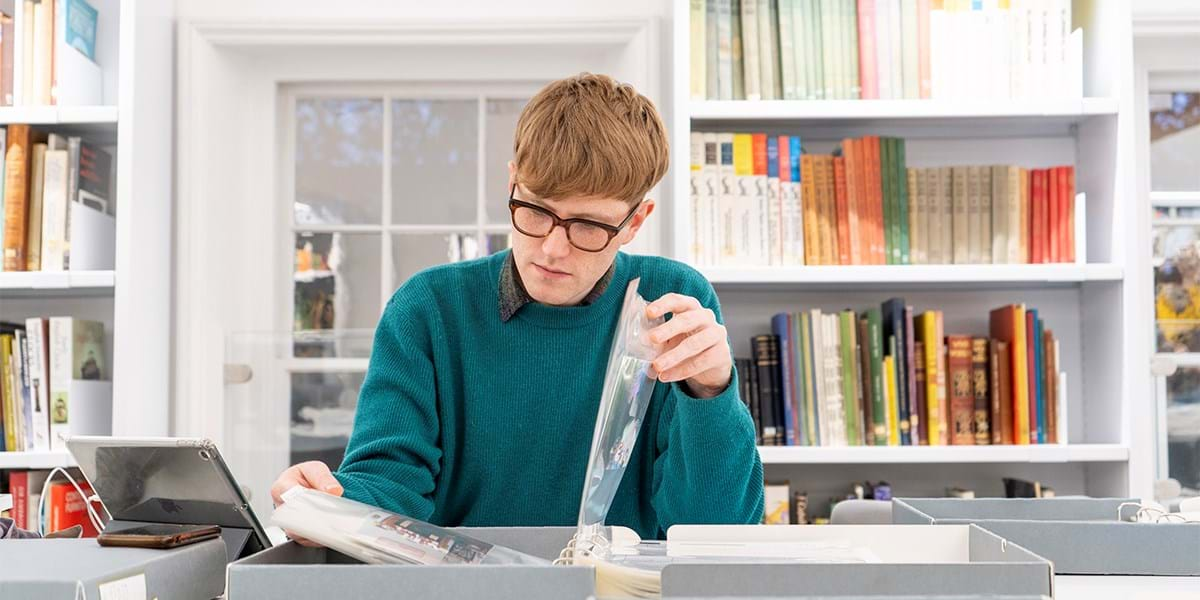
(314, 475)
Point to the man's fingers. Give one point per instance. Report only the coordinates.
(318, 477)
(698, 364)
(685, 322)
(671, 303)
(689, 347)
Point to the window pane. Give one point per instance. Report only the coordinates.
(434, 161)
(500, 125)
(1175, 142)
(337, 281)
(413, 252)
(322, 415)
(1177, 287)
(339, 161)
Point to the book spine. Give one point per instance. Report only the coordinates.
(962, 216)
(1040, 377)
(18, 486)
(1030, 368)
(809, 334)
(999, 205)
(924, 67)
(712, 44)
(979, 373)
(902, 199)
(751, 55)
(799, 382)
(922, 391)
(943, 382)
(853, 194)
(1050, 377)
(808, 199)
(725, 49)
(16, 196)
(1053, 218)
(915, 424)
(10, 392)
(779, 327)
(697, 48)
(962, 400)
(842, 213)
(974, 217)
(1069, 185)
(61, 360)
(868, 399)
(849, 389)
(868, 65)
(889, 369)
(879, 409)
(985, 215)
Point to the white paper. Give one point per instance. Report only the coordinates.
(129, 588)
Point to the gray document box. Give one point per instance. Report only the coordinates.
(1081, 536)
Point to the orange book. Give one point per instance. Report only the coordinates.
(842, 212)
(1054, 218)
(852, 199)
(924, 70)
(1068, 182)
(1049, 349)
(17, 160)
(863, 206)
(875, 198)
(1007, 324)
(65, 508)
(828, 210)
(808, 199)
(960, 389)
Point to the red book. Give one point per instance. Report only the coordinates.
(843, 210)
(18, 486)
(1031, 381)
(867, 68)
(1054, 222)
(65, 508)
(922, 392)
(1037, 212)
(959, 389)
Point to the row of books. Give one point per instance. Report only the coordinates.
(48, 54)
(39, 361)
(760, 199)
(783, 506)
(883, 49)
(51, 187)
(64, 508)
(888, 377)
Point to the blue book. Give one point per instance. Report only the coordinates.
(80, 30)
(779, 326)
(794, 156)
(894, 326)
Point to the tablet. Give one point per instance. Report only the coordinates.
(166, 480)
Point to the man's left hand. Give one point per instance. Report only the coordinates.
(694, 346)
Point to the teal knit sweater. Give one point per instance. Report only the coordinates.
(467, 420)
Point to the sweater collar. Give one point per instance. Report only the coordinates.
(513, 295)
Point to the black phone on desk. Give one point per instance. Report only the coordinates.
(158, 535)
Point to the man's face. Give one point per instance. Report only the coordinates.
(552, 270)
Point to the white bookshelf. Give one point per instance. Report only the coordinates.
(35, 460)
(1090, 306)
(134, 50)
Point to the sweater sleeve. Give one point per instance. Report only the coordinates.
(393, 458)
(708, 469)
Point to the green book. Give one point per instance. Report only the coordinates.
(885, 181)
(878, 406)
(800, 377)
(846, 329)
(894, 200)
(809, 405)
(901, 174)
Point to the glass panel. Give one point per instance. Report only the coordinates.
(322, 415)
(1177, 287)
(434, 161)
(337, 284)
(413, 252)
(1175, 142)
(339, 161)
(1183, 428)
(499, 127)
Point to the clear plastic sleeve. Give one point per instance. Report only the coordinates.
(628, 384)
(377, 536)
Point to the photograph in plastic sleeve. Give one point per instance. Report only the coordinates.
(377, 536)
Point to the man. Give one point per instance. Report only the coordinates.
(485, 377)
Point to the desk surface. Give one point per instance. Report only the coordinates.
(1118, 587)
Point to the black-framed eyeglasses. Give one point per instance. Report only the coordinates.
(585, 234)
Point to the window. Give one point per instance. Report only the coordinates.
(1175, 238)
(384, 182)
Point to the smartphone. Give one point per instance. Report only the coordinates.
(159, 535)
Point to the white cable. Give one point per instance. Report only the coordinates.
(87, 502)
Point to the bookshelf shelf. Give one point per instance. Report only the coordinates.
(967, 110)
(1077, 453)
(958, 276)
(60, 283)
(97, 122)
(35, 460)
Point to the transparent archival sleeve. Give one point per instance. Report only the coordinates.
(628, 384)
(377, 536)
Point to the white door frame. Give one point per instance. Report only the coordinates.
(228, 123)
(1163, 44)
